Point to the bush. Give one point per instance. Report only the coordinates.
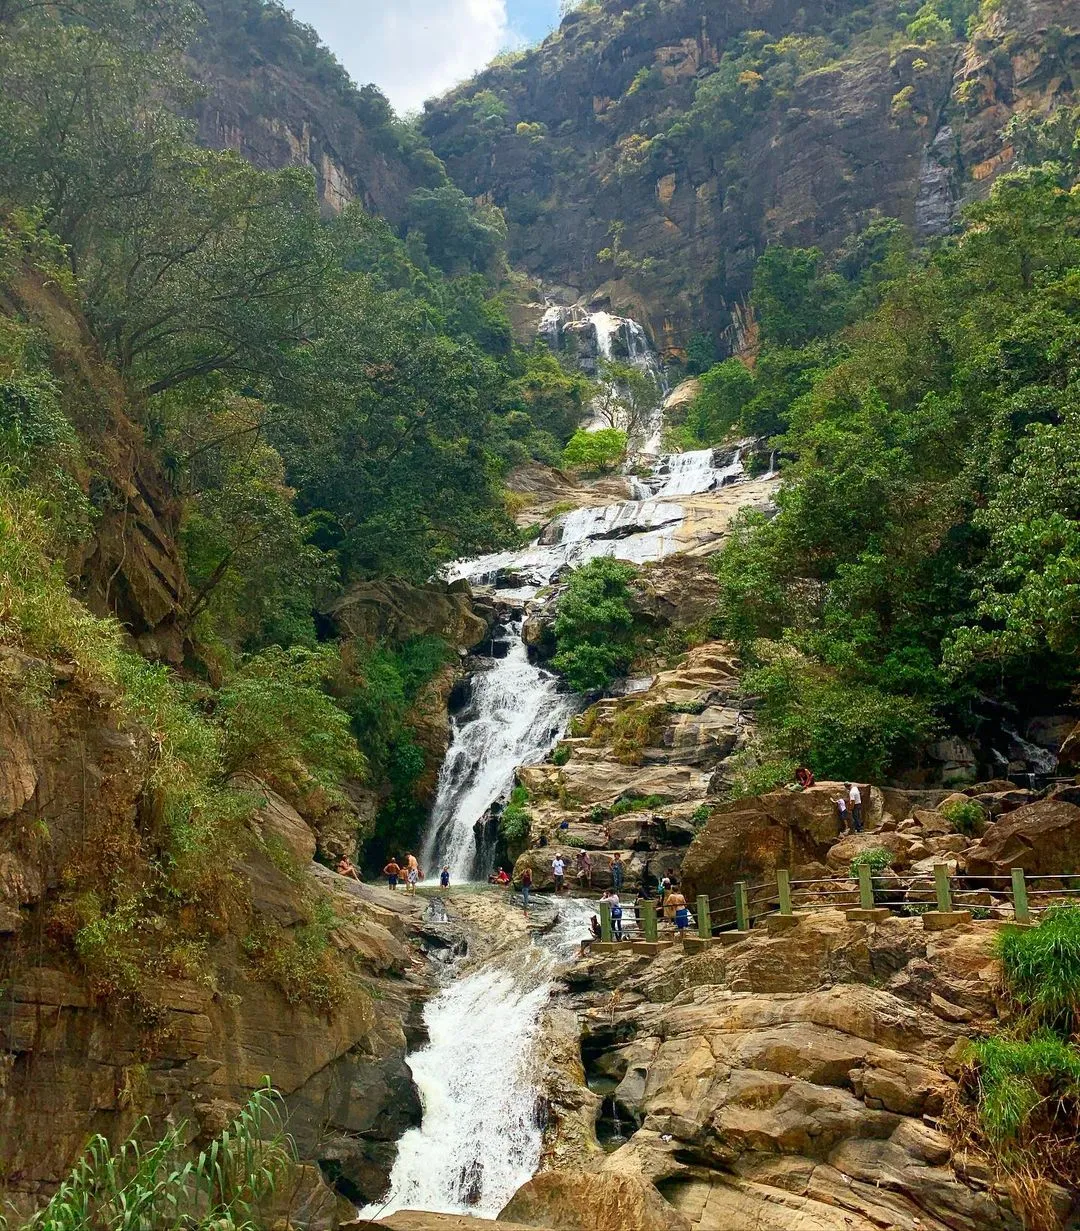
(700, 815)
(594, 625)
(637, 803)
(1018, 1076)
(877, 860)
(300, 961)
(966, 815)
(599, 451)
(279, 722)
(516, 820)
(561, 754)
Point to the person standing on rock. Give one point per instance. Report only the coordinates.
(392, 871)
(584, 869)
(618, 870)
(558, 871)
(444, 878)
(411, 878)
(855, 799)
(611, 898)
(526, 888)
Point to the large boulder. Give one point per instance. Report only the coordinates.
(1042, 838)
(751, 838)
(396, 610)
(580, 1201)
(848, 848)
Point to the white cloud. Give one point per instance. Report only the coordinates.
(411, 49)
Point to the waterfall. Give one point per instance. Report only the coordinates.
(516, 716)
(480, 1136)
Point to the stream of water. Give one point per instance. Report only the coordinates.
(480, 1136)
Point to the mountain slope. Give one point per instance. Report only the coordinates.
(650, 152)
(275, 94)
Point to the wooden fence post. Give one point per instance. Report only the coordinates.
(866, 887)
(704, 921)
(1021, 910)
(605, 923)
(783, 888)
(742, 907)
(941, 887)
(648, 920)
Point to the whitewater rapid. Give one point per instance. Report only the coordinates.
(480, 1136)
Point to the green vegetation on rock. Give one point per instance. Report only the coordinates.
(594, 625)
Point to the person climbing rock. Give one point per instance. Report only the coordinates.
(618, 871)
(392, 871)
(842, 814)
(855, 800)
(558, 871)
(526, 888)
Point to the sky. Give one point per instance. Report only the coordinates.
(416, 49)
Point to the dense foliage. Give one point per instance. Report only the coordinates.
(926, 549)
(594, 625)
(329, 399)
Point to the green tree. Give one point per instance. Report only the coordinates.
(594, 624)
(599, 451)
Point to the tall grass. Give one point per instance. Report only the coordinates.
(153, 1187)
(1041, 969)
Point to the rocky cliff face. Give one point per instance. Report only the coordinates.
(272, 93)
(669, 139)
(87, 1054)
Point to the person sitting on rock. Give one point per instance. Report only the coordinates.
(345, 868)
(804, 777)
(502, 878)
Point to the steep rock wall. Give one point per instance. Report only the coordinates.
(587, 143)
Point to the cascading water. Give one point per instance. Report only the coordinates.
(516, 715)
(480, 1136)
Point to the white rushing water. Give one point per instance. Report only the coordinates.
(480, 1136)
(515, 717)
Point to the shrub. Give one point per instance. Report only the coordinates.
(1018, 1076)
(300, 961)
(634, 729)
(278, 721)
(877, 860)
(595, 451)
(516, 820)
(700, 814)
(637, 803)
(561, 754)
(966, 815)
(594, 625)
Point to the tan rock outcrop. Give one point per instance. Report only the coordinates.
(1042, 838)
(604, 1201)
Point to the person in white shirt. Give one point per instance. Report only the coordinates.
(558, 870)
(855, 799)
